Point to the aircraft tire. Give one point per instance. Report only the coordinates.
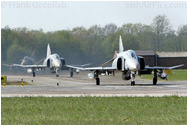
(132, 83)
(154, 81)
(71, 74)
(33, 74)
(57, 75)
(97, 81)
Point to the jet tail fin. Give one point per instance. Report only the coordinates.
(120, 45)
(33, 54)
(48, 50)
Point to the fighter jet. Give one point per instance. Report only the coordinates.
(29, 60)
(52, 61)
(128, 63)
(25, 61)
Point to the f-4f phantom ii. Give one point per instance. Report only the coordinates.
(128, 63)
(52, 61)
(25, 61)
(29, 60)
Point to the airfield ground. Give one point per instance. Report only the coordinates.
(81, 85)
(94, 110)
(170, 108)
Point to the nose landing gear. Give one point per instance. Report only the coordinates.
(132, 77)
(57, 74)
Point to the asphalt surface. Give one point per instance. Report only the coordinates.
(81, 85)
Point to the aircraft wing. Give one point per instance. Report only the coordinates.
(26, 66)
(163, 68)
(40, 61)
(7, 65)
(88, 64)
(30, 66)
(83, 65)
(92, 68)
(74, 67)
(100, 68)
(106, 63)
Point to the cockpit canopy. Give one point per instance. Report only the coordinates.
(56, 56)
(132, 54)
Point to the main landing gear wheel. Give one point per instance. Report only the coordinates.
(155, 77)
(132, 83)
(97, 81)
(71, 74)
(154, 81)
(57, 75)
(33, 74)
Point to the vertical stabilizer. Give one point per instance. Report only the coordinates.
(48, 50)
(33, 55)
(120, 45)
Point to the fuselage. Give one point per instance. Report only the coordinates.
(129, 61)
(53, 61)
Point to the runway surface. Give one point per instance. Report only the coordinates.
(80, 85)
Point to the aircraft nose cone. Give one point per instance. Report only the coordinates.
(57, 65)
(134, 66)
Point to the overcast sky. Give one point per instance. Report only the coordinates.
(52, 16)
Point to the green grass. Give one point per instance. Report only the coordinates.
(15, 83)
(94, 110)
(177, 75)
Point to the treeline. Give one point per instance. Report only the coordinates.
(94, 45)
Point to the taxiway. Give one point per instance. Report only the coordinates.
(80, 85)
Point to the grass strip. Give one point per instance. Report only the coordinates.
(94, 111)
(16, 83)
